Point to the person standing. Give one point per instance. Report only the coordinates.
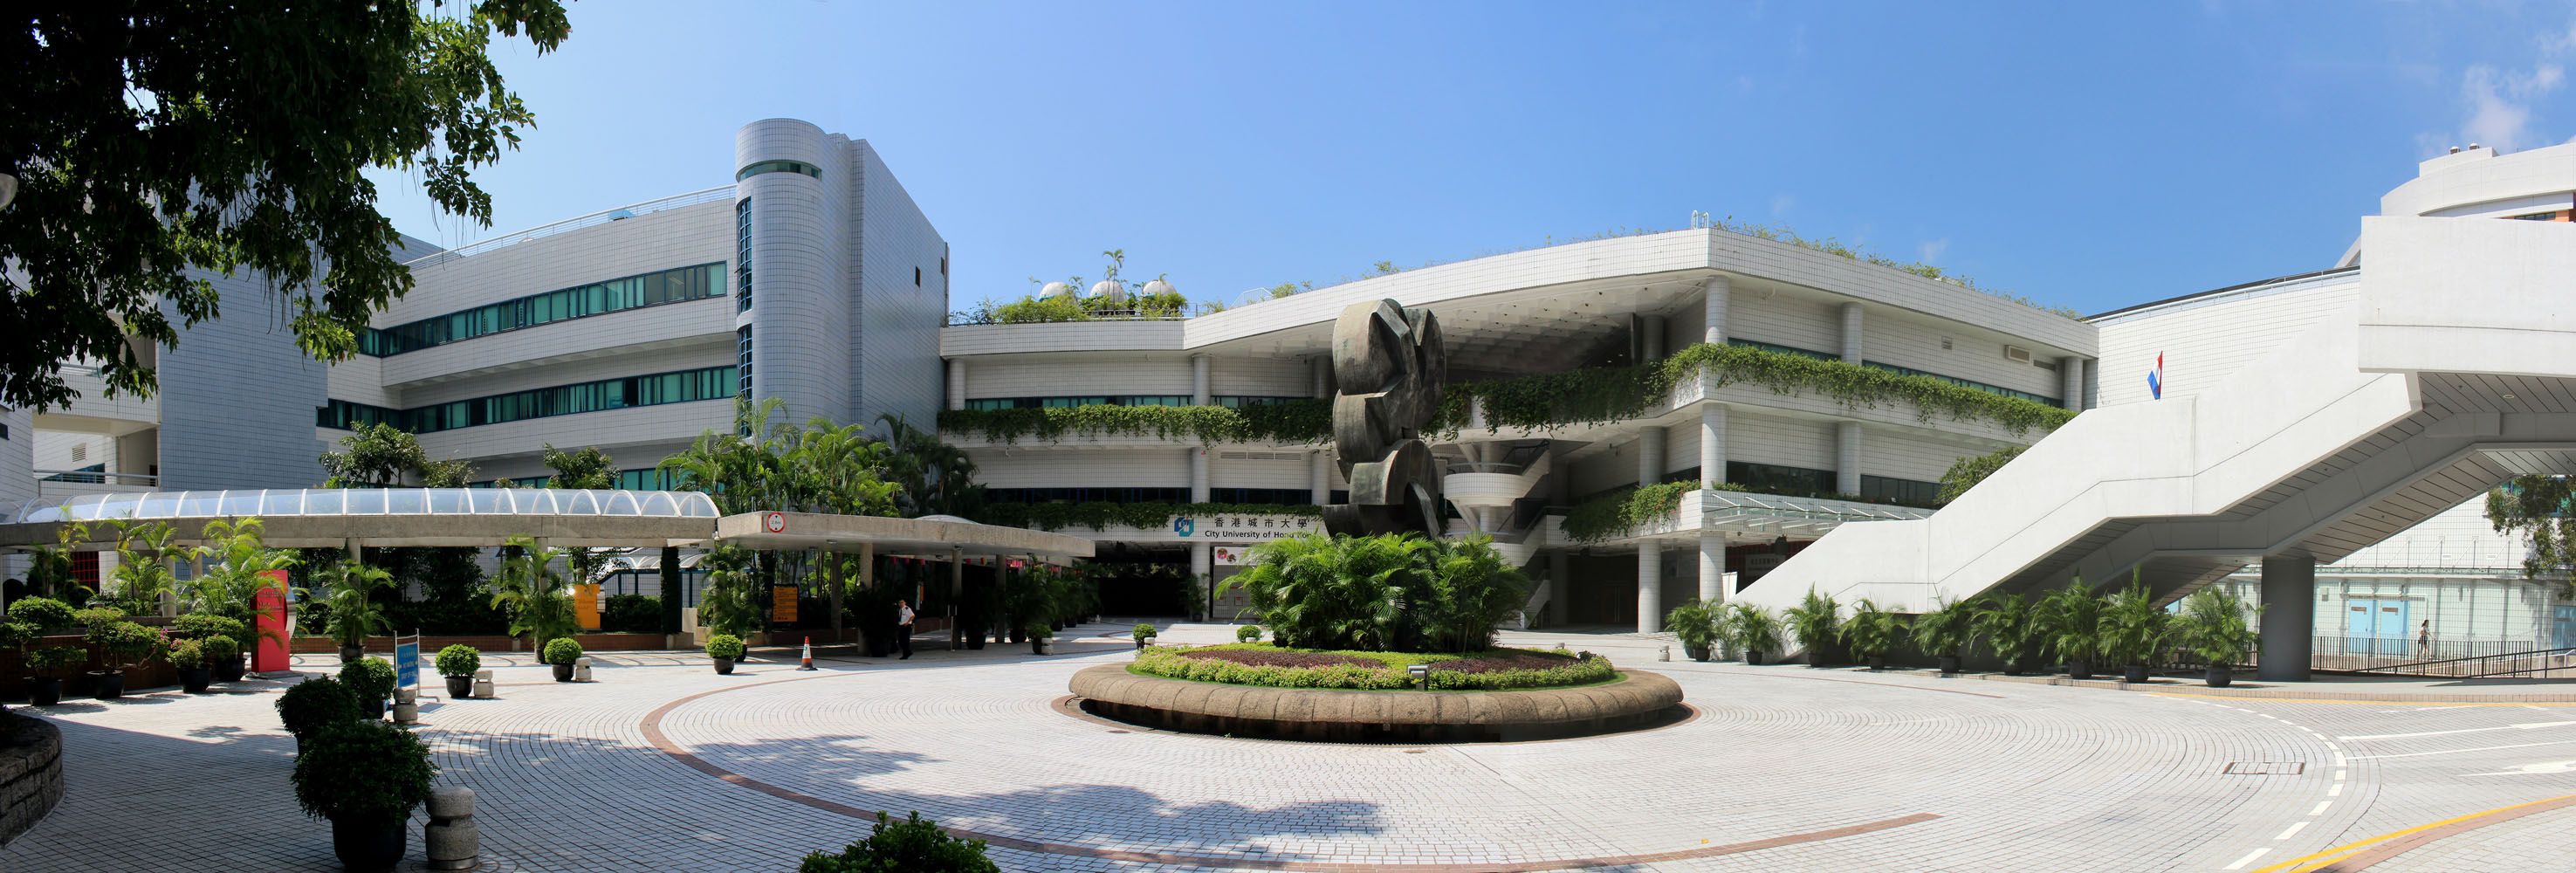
(2424, 639)
(903, 629)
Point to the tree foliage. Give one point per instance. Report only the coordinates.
(932, 477)
(157, 144)
(2536, 507)
(1967, 472)
(538, 599)
(384, 456)
(1381, 593)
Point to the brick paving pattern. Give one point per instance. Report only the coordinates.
(1786, 768)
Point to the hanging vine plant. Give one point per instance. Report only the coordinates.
(1617, 514)
(1287, 422)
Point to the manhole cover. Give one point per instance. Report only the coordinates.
(2266, 768)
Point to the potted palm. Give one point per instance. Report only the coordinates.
(1041, 638)
(370, 681)
(539, 601)
(2010, 630)
(724, 649)
(2070, 621)
(458, 663)
(355, 616)
(190, 657)
(561, 653)
(1142, 633)
(1871, 631)
(364, 778)
(2213, 624)
(121, 646)
(1756, 630)
(1944, 633)
(1817, 621)
(48, 665)
(1695, 624)
(2133, 626)
(310, 706)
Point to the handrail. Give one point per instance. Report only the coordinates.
(2425, 668)
(1485, 467)
(603, 216)
(97, 477)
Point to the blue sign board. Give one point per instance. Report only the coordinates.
(407, 665)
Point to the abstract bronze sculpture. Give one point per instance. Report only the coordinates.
(1388, 366)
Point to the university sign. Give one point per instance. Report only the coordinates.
(1241, 527)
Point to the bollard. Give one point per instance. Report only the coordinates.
(406, 706)
(483, 683)
(581, 669)
(454, 841)
(1665, 655)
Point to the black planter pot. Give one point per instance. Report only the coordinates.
(369, 846)
(460, 687)
(351, 653)
(195, 680)
(975, 640)
(1015, 637)
(2012, 667)
(2079, 670)
(1041, 647)
(110, 684)
(1949, 664)
(371, 710)
(1753, 657)
(44, 691)
(1877, 663)
(2134, 674)
(1696, 653)
(724, 666)
(2218, 676)
(563, 672)
(229, 669)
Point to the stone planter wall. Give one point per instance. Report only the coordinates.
(1640, 700)
(77, 683)
(31, 775)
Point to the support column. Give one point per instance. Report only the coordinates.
(1323, 367)
(956, 383)
(1200, 565)
(1851, 333)
(1650, 587)
(1847, 457)
(1712, 568)
(2071, 368)
(1319, 478)
(1650, 456)
(672, 590)
(956, 592)
(1198, 474)
(832, 576)
(1199, 380)
(1712, 444)
(1652, 343)
(2289, 617)
(1721, 291)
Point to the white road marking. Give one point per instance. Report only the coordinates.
(2322, 804)
(2516, 727)
(2478, 749)
(2295, 828)
(2248, 859)
(2542, 768)
(2335, 790)
(2339, 774)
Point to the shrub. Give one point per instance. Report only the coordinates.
(50, 660)
(632, 613)
(363, 772)
(913, 845)
(220, 648)
(313, 704)
(2070, 622)
(1143, 632)
(1382, 593)
(1039, 630)
(726, 646)
(16, 635)
(97, 615)
(1694, 622)
(123, 644)
(459, 660)
(1365, 670)
(1872, 630)
(1755, 628)
(184, 654)
(1817, 619)
(562, 650)
(2133, 626)
(200, 625)
(368, 678)
(1250, 633)
(2213, 624)
(1945, 631)
(45, 613)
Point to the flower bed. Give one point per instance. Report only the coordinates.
(1261, 664)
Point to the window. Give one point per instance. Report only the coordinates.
(1903, 491)
(742, 365)
(1779, 479)
(1121, 400)
(615, 295)
(683, 386)
(742, 254)
(760, 167)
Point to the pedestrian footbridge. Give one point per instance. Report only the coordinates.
(2455, 371)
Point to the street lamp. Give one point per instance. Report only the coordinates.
(1421, 674)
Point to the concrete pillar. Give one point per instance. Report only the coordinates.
(1198, 474)
(1712, 444)
(956, 383)
(1721, 291)
(956, 592)
(1851, 333)
(1653, 341)
(2289, 617)
(1323, 367)
(1650, 587)
(1712, 568)
(832, 577)
(1650, 456)
(1319, 477)
(2071, 369)
(674, 594)
(1199, 380)
(1847, 457)
(1200, 566)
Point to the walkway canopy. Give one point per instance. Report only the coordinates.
(389, 517)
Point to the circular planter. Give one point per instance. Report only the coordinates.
(724, 666)
(1696, 653)
(2079, 670)
(1642, 699)
(352, 653)
(195, 680)
(1949, 665)
(369, 846)
(44, 691)
(563, 672)
(110, 683)
(2218, 677)
(460, 687)
(2134, 674)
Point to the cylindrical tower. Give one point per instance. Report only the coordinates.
(791, 213)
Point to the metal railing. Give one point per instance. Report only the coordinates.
(1485, 467)
(94, 477)
(603, 216)
(2531, 663)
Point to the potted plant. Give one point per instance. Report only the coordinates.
(190, 657)
(2070, 621)
(224, 655)
(2133, 626)
(204, 627)
(1041, 638)
(724, 649)
(48, 663)
(42, 613)
(309, 706)
(2009, 629)
(458, 663)
(1817, 620)
(1871, 632)
(354, 616)
(1142, 633)
(1944, 633)
(1250, 633)
(1756, 630)
(121, 645)
(2213, 625)
(364, 778)
(370, 681)
(911, 844)
(1695, 624)
(562, 652)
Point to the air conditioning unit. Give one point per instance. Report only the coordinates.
(2017, 354)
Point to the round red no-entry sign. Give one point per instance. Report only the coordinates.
(775, 522)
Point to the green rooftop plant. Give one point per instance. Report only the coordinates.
(1619, 513)
(726, 646)
(563, 650)
(45, 613)
(459, 660)
(363, 773)
(913, 845)
(313, 704)
(368, 678)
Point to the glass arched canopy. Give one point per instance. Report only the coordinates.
(278, 503)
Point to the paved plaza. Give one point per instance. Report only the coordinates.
(663, 765)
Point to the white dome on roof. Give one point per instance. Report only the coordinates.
(1109, 290)
(1055, 289)
(1158, 288)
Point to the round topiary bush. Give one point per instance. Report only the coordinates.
(45, 613)
(363, 772)
(368, 679)
(726, 646)
(562, 650)
(313, 704)
(911, 844)
(121, 643)
(219, 647)
(459, 660)
(1247, 633)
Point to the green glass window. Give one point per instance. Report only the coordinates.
(709, 383)
(760, 167)
(742, 254)
(632, 292)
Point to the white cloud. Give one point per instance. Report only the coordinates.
(1780, 204)
(1931, 251)
(2499, 103)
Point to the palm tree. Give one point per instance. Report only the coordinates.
(2009, 627)
(1327, 592)
(2070, 619)
(538, 599)
(237, 563)
(936, 478)
(1816, 620)
(1472, 589)
(1946, 631)
(2133, 626)
(1872, 631)
(355, 615)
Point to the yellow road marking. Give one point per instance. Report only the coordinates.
(2337, 853)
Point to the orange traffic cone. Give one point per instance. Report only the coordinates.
(809, 654)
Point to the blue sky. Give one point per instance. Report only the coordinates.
(2082, 154)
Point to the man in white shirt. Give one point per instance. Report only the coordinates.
(903, 631)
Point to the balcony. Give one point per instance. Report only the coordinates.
(60, 486)
(93, 412)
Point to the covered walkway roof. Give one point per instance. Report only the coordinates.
(390, 517)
